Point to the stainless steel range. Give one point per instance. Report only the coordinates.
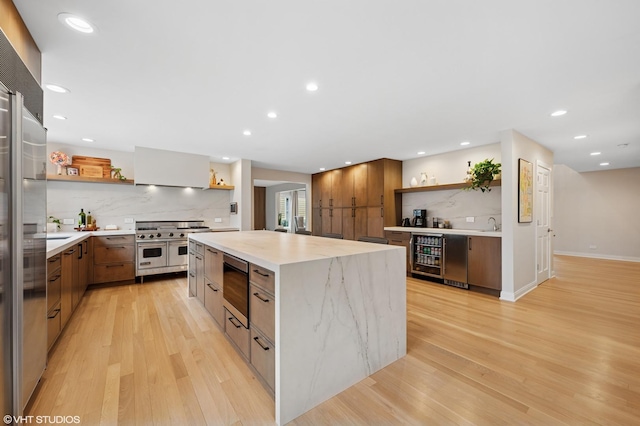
(162, 247)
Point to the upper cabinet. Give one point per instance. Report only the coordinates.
(170, 168)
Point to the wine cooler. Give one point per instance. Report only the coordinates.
(427, 255)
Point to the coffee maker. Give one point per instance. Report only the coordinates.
(419, 218)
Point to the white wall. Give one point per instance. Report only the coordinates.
(597, 209)
(518, 239)
(242, 194)
(110, 204)
(450, 167)
(453, 205)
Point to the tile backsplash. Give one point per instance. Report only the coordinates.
(456, 205)
(110, 204)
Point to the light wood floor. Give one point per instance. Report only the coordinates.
(566, 353)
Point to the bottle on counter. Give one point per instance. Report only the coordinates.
(82, 219)
(89, 219)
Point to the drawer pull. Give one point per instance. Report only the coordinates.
(231, 320)
(198, 257)
(54, 259)
(260, 297)
(260, 273)
(115, 266)
(56, 278)
(115, 238)
(70, 252)
(212, 251)
(115, 248)
(212, 287)
(190, 274)
(57, 311)
(257, 339)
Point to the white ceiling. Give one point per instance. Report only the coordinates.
(395, 77)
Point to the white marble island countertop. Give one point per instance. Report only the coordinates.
(340, 310)
(272, 249)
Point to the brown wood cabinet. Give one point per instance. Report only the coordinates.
(262, 314)
(69, 272)
(484, 262)
(259, 207)
(54, 291)
(403, 239)
(367, 201)
(113, 258)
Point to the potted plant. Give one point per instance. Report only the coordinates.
(482, 174)
(56, 221)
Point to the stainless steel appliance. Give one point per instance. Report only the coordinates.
(162, 247)
(419, 218)
(455, 267)
(235, 288)
(427, 255)
(23, 214)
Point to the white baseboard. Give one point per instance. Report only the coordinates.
(598, 256)
(512, 297)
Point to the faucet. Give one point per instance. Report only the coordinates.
(495, 225)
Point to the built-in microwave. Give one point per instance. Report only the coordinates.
(235, 285)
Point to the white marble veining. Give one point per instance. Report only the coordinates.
(111, 204)
(421, 231)
(455, 205)
(340, 310)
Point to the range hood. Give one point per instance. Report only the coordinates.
(170, 168)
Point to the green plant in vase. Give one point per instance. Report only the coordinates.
(482, 174)
(56, 221)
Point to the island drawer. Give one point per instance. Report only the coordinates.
(262, 311)
(113, 239)
(213, 300)
(54, 325)
(262, 277)
(237, 333)
(113, 253)
(263, 358)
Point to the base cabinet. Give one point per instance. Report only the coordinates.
(263, 358)
(114, 258)
(402, 239)
(237, 333)
(213, 301)
(54, 292)
(54, 325)
(484, 262)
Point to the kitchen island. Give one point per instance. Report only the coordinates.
(340, 310)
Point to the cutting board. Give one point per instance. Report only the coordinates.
(92, 166)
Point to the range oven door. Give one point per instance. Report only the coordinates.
(152, 255)
(178, 253)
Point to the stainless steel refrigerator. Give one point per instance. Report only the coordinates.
(23, 203)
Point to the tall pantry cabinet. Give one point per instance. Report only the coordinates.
(356, 201)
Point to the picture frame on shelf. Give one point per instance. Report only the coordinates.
(73, 171)
(525, 191)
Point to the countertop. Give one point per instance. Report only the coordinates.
(471, 232)
(55, 246)
(271, 249)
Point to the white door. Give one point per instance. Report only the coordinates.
(543, 222)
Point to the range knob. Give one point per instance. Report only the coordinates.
(141, 237)
(151, 235)
(171, 234)
(181, 235)
(159, 235)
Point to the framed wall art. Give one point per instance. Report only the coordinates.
(525, 191)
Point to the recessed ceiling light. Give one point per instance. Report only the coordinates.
(75, 22)
(88, 140)
(596, 153)
(60, 117)
(56, 88)
(465, 143)
(272, 114)
(580, 137)
(347, 162)
(558, 113)
(225, 158)
(322, 169)
(604, 164)
(421, 152)
(312, 86)
(247, 132)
